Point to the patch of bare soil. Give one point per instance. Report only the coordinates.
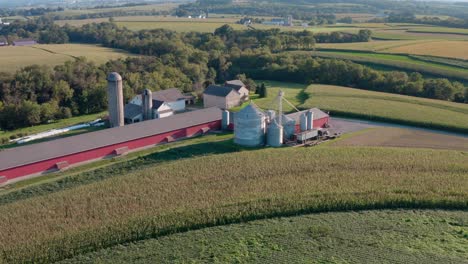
(399, 137)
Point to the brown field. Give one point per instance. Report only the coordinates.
(450, 49)
(399, 137)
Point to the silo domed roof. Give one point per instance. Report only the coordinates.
(250, 110)
(114, 77)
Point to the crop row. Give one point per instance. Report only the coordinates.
(228, 188)
(421, 66)
(377, 106)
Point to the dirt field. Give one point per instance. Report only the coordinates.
(400, 137)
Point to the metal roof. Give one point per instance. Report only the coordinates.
(33, 153)
(318, 114)
(169, 95)
(132, 110)
(250, 110)
(215, 90)
(235, 84)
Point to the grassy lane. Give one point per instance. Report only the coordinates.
(228, 188)
(345, 237)
(388, 107)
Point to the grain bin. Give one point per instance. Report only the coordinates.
(303, 122)
(249, 126)
(225, 120)
(310, 120)
(275, 134)
(271, 115)
(289, 126)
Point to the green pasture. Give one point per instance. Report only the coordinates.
(388, 107)
(58, 124)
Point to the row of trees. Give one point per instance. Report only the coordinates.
(189, 61)
(307, 69)
(410, 17)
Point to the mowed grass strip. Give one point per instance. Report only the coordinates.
(59, 124)
(379, 106)
(228, 188)
(396, 236)
(15, 58)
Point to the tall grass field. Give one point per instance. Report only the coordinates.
(388, 107)
(228, 188)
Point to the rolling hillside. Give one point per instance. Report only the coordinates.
(228, 188)
(378, 106)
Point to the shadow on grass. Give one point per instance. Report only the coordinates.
(123, 168)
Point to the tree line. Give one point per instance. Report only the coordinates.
(189, 61)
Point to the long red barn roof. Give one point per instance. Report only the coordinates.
(33, 153)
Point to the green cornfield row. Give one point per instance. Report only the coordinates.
(228, 188)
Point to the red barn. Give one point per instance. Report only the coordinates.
(321, 118)
(36, 159)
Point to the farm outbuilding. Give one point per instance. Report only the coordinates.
(40, 158)
(221, 96)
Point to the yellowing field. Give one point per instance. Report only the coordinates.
(14, 58)
(449, 49)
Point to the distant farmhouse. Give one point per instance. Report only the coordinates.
(232, 94)
(24, 42)
(287, 22)
(158, 104)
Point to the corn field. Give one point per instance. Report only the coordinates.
(228, 188)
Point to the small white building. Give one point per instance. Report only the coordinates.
(173, 97)
(161, 110)
(165, 103)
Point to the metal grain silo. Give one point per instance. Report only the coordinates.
(271, 115)
(303, 121)
(275, 134)
(310, 120)
(147, 104)
(225, 120)
(289, 126)
(115, 99)
(249, 126)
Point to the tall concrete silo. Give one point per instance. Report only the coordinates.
(250, 126)
(115, 99)
(147, 104)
